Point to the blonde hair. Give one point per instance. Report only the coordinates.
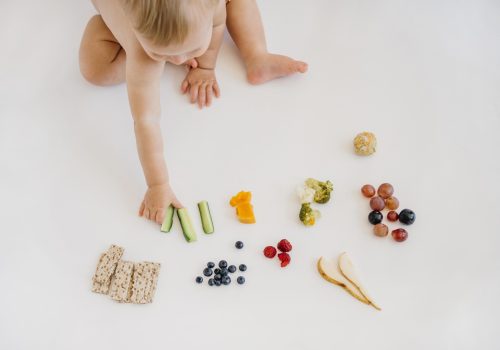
(166, 22)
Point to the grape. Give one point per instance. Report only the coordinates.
(385, 190)
(392, 216)
(368, 191)
(392, 203)
(377, 203)
(399, 235)
(380, 230)
(375, 217)
(407, 217)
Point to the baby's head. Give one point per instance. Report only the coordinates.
(172, 30)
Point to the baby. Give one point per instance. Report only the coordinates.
(131, 40)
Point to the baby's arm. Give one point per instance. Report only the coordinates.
(143, 84)
(200, 81)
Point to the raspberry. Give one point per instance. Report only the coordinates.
(270, 252)
(284, 258)
(284, 246)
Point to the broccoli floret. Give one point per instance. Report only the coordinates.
(323, 190)
(307, 215)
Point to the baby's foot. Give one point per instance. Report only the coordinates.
(269, 66)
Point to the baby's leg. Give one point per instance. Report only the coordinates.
(102, 59)
(245, 26)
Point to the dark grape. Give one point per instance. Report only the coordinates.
(375, 217)
(407, 217)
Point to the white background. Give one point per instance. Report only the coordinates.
(423, 75)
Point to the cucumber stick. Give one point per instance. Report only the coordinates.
(187, 225)
(206, 217)
(169, 219)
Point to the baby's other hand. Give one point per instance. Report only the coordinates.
(156, 200)
(201, 85)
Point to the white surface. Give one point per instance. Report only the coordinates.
(423, 75)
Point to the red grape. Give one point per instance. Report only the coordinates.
(392, 203)
(385, 190)
(380, 230)
(368, 191)
(392, 216)
(377, 204)
(399, 235)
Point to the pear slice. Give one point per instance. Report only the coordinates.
(329, 271)
(348, 271)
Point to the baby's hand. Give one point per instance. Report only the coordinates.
(156, 200)
(201, 84)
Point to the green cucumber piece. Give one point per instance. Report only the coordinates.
(169, 219)
(206, 217)
(187, 225)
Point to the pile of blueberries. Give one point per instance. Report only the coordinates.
(221, 274)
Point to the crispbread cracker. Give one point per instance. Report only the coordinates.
(105, 269)
(144, 282)
(121, 282)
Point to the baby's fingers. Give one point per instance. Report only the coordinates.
(193, 89)
(216, 90)
(141, 209)
(184, 86)
(202, 95)
(160, 216)
(209, 94)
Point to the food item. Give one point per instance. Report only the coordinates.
(270, 252)
(407, 216)
(240, 280)
(144, 281)
(322, 190)
(121, 282)
(244, 209)
(206, 217)
(329, 270)
(243, 267)
(239, 245)
(211, 282)
(365, 143)
(199, 279)
(284, 246)
(392, 203)
(385, 190)
(377, 204)
(223, 272)
(368, 191)
(375, 217)
(347, 270)
(226, 280)
(399, 235)
(217, 277)
(284, 258)
(210, 265)
(305, 193)
(169, 219)
(187, 225)
(307, 215)
(208, 272)
(217, 283)
(105, 269)
(392, 216)
(232, 268)
(380, 230)
(223, 264)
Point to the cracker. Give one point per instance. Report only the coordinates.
(121, 282)
(105, 269)
(144, 281)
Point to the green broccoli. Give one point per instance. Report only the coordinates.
(322, 189)
(307, 215)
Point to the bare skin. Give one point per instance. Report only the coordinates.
(112, 52)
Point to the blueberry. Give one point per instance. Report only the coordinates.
(217, 277)
(199, 279)
(223, 264)
(223, 272)
(226, 280)
(232, 268)
(375, 217)
(217, 283)
(210, 265)
(211, 282)
(240, 280)
(407, 216)
(217, 271)
(239, 244)
(207, 272)
(243, 267)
